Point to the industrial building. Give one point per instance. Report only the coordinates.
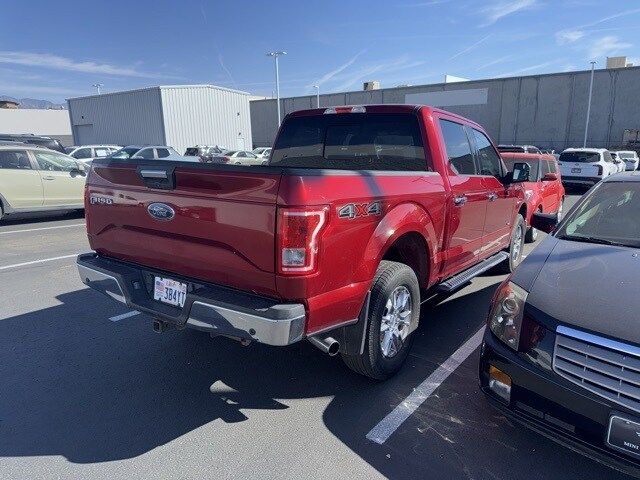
(548, 111)
(178, 115)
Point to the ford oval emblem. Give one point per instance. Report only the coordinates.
(161, 211)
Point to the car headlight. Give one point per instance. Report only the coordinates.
(505, 318)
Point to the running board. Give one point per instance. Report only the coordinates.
(463, 278)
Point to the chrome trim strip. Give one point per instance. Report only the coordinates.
(600, 341)
(153, 174)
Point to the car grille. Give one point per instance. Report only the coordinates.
(607, 368)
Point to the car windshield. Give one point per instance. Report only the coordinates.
(627, 155)
(194, 151)
(580, 157)
(231, 153)
(610, 214)
(125, 153)
(258, 151)
(533, 164)
(69, 149)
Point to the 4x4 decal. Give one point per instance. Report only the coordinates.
(357, 210)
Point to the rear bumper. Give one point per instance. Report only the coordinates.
(580, 180)
(208, 307)
(553, 407)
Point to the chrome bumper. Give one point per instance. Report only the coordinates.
(215, 309)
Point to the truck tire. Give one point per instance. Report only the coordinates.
(394, 310)
(532, 234)
(515, 247)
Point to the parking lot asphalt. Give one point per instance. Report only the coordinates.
(90, 391)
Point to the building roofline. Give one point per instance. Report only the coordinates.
(442, 84)
(161, 87)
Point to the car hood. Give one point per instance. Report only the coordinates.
(588, 286)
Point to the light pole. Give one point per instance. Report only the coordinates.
(586, 126)
(97, 86)
(317, 87)
(275, 55)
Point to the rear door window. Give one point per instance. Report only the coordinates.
(488, 159)
(458, 148)
(102, 152)
(163, 152)
(356, 141)
(14, 160)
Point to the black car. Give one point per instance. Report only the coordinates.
(561, 352)
(47, 142)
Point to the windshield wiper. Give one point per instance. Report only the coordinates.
(601, 241)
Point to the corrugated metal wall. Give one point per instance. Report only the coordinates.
(206, 115)
(122, 118)
(544, 110)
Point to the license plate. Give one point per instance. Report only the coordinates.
(576, 170)
(169, 291)
(624, 435)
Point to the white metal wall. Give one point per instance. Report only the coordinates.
(122, 118)
(205, 115)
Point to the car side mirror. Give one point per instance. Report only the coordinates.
(546, 222)
(521, 173)
(549, 177)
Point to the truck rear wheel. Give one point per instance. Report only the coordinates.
(516, 246)
(394, 312)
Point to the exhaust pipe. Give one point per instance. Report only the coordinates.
(327, 344)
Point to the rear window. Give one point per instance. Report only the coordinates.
(511, 148)
(627, 155)
(581, 157)
(351, 142)
(534, 164)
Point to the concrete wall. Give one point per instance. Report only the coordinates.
(544, 110)
(50, 123)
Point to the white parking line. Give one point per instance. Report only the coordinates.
(41, 228)
(33, 262)
(389, 424)
(117, 318)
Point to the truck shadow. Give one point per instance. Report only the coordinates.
(77, 385)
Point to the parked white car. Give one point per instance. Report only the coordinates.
(262, 152)
(239, 157)
(630, 158)
(86, 153)
(619, 162)
(151, 152)
(586, 166)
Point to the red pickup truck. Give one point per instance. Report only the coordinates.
(359, 211)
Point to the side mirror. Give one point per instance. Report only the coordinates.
(545, 222)
(521, 173)
(549, 177)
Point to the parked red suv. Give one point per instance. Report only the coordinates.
(544, 191)
(359, 208)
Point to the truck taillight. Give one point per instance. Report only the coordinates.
(298, 236)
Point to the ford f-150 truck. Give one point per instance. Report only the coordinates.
(360, 211)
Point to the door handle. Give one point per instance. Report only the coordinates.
(460, 200)
(492, 197)
(48, 178)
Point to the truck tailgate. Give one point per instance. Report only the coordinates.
(222, 228)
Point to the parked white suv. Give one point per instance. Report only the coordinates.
(86, 153)
(586, 166)
(630, 158)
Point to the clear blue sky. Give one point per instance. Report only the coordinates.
(57, 49)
